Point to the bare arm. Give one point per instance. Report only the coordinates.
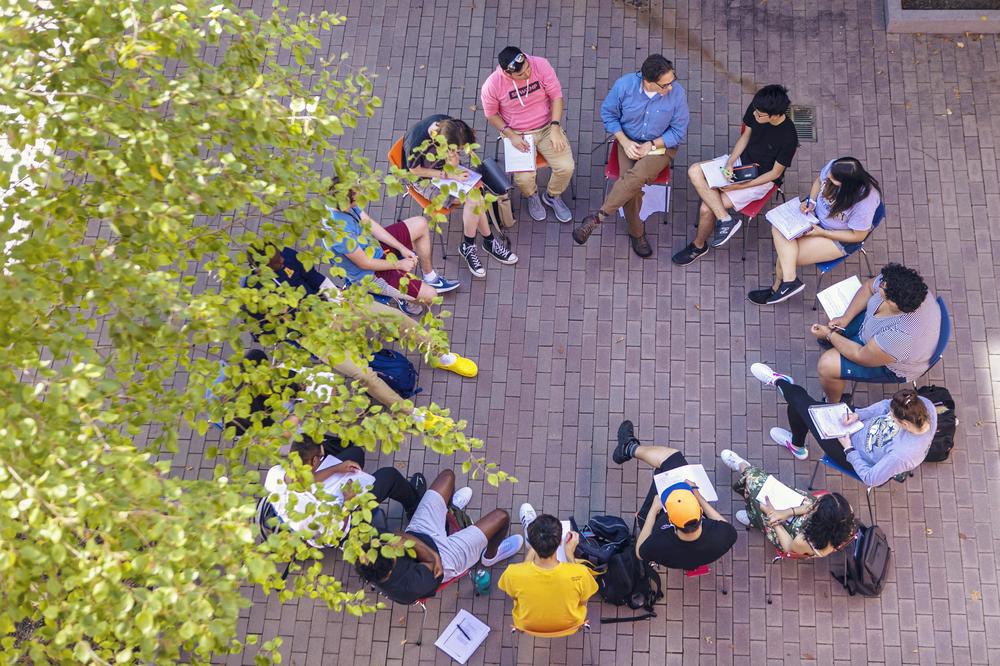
(741, 145)
(424, 553)
(647, 527)
(869, 355)
(707, 508)
(841, 235)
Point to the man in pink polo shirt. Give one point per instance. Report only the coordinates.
(523, 97)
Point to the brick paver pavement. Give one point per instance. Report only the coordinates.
(575, 338)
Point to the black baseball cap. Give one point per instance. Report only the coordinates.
(512, 59)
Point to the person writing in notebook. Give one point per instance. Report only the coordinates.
(550, 597)
(523, 98)
(818, 527)
(647, 113)
(680, 529)
(767, 143)
(844, 199)
(894, 436)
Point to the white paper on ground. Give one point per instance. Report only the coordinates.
(781, 496)
(462, 636)
(829, 420)
(837, 297)
(514, 160)
(789, 219)
(694, 473)
(654, 200)
(713, 171)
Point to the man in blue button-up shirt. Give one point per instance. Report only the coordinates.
(647, 112)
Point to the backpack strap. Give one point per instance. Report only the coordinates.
(634, 618)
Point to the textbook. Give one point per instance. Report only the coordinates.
(514, 160)
(829, 420)
(790, 220)
(713, 172)
(695, 473)
(837, 297)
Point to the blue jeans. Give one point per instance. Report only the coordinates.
(850, 370)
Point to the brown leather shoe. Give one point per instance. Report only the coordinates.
(582, 232)
(641, 246)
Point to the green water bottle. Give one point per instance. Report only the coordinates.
(481, 580)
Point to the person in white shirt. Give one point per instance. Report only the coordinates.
(341, 479)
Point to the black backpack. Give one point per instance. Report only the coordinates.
(947, 422)
(630, 582)
(866, 565)
(600, 538)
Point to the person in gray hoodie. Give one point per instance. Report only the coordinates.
(894, 438)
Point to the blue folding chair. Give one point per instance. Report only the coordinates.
(849, 471)
(825, 267)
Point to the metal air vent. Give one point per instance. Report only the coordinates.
(804, 119)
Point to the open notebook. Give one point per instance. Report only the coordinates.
(836, 298)
(829, 420)
(790, 220)
(713, 171)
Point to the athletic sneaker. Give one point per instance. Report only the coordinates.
(464, 367)
(461, 497)
(689, 254)
(786, 291)
(535, 208)
(766, 375)
(626, 435)
(443, 285)
(419, 484)
(724, 230)
(732, 460)
(411, 308)
(471, 256)
(743, 517)
(760, 296)
(782, 437)
(509, 547)
(562, 211)
(499, 251)
(526, 514)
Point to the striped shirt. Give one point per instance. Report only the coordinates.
(909, 337)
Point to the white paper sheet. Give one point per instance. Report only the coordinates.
(713, 171)
(694, 473)
(837, 297)
(514, 160)
(779, 495)
(790, 220)
(462, 636)
(455, 186)
(561, 550)
(829, 420)
(654, 200)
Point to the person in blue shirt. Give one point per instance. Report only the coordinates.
(647, 112)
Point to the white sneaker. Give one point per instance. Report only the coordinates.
(782, 437)
(527, 514)
(509, 547)
(766, 375)
(461, 498)
(743, 518)
(732, 460)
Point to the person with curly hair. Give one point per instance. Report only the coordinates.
(816, 528)
(887, 335)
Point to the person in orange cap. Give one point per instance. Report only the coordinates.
(681, 530)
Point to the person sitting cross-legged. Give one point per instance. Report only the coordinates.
(550, 596)
(895, 436)
(438, 556)
(343, 479)
(769, 141)
(815, 528)
(689, 532)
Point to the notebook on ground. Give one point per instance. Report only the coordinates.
(837, 297)
(790, 220)
(713, 172)
(829, 420)
(514, 160)
(462, 636)
(694, 473)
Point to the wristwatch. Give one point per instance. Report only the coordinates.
(556, 122)
(848, 450)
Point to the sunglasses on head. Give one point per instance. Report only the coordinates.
(515, 65)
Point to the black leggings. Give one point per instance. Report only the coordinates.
(391, 484)
(801, 423)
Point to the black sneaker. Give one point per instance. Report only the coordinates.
(724, 230)
(497, 249)
(626, 435)
(786, 291)
(688, 254)
(419, 484)
(471, 256)
(760, 296)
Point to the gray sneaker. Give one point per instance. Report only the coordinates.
(561, 210)
(536, 209)
(724, 230)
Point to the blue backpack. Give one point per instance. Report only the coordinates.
(396, 371)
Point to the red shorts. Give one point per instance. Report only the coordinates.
(400, 232)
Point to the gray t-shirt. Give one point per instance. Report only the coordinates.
(883, 450)
(858, 217)
(909, 337)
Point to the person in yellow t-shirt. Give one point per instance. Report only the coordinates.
(550, 596)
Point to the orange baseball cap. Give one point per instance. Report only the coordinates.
(680, 504)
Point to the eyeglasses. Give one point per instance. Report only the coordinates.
(514, 66)
(665, 86)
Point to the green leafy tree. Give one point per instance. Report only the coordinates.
(149, 145)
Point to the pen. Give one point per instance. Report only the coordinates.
(463, 632)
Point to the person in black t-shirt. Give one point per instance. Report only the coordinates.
(680, 529)
(768, 140)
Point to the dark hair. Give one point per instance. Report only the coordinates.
(544, 534)
(255, 356)
(375, 572)
(690, 526)
(654, 67)
(907, 406)
(306, 447)
(855, 184)
(903, 286)
(456, 132)
(772, 100)
(831, 522)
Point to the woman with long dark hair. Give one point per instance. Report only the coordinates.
(844, 199)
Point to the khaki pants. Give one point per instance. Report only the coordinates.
(626, 193)
(561, 163)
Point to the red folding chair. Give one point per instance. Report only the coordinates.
(754, 208)
(612, 171)
(704, 570)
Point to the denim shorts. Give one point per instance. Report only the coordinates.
(859, 373)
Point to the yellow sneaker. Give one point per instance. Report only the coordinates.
(460, 366)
